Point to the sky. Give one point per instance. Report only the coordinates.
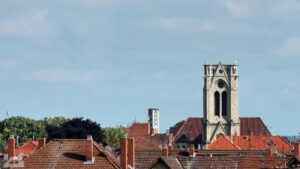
(111, 60)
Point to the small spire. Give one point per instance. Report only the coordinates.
(220, 62)
(205, 63)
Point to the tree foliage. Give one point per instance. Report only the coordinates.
(25, 129)
(113, 135)
(76, 128)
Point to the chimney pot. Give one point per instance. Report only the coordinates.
(124, 151)
(11, 149)
(42, 143)
(297, 149)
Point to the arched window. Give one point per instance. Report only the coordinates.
(224, 103)
(217, 104)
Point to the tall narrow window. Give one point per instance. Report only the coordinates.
(224, 103)
(217, 104)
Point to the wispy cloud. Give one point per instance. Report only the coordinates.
(238, 9)
(185, 24)
(34, 24)
(63, 76)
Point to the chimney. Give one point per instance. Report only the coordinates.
(131, 152)
(42, 143)
(124, 151)
(11, 149)
(297, 149)
(170, 148)
(191, 150)
(89, 150)
(171, 137)
(165, 151)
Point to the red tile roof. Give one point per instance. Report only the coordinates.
(69, 154)
(27, 148)
(139, 129)
(143, 138)
(220, 162)
(251, 143)
(253, 126)
(151, 141)
(192, 128)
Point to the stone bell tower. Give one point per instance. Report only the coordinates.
(221, 101)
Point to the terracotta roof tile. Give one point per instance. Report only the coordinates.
(139, 129)
(27, 148)
(251, 143)
(192, 128)
(253, 126)
(68, 154)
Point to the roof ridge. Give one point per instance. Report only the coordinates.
(180, 128)
(107, 156)
(238, 147)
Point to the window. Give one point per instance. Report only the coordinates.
(217, 104)
(224, 103)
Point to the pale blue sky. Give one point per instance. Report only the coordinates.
(111, 60)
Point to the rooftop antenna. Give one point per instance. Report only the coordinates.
(7, 115)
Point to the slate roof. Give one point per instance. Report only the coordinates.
(69, 154)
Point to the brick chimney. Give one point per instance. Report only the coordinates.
(170, 148)
(131, 152)
(42, 143)
(297, 149)
(171, 138)
(124, 151)
(191, 150)
(165, 151)
(11, 149)
(89, 143)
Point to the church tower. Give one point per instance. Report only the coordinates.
(221, 101)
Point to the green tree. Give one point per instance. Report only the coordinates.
(55, 121)
(76, 128)
(113, 135)
(24, 128)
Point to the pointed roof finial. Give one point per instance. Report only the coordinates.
(220, 62)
